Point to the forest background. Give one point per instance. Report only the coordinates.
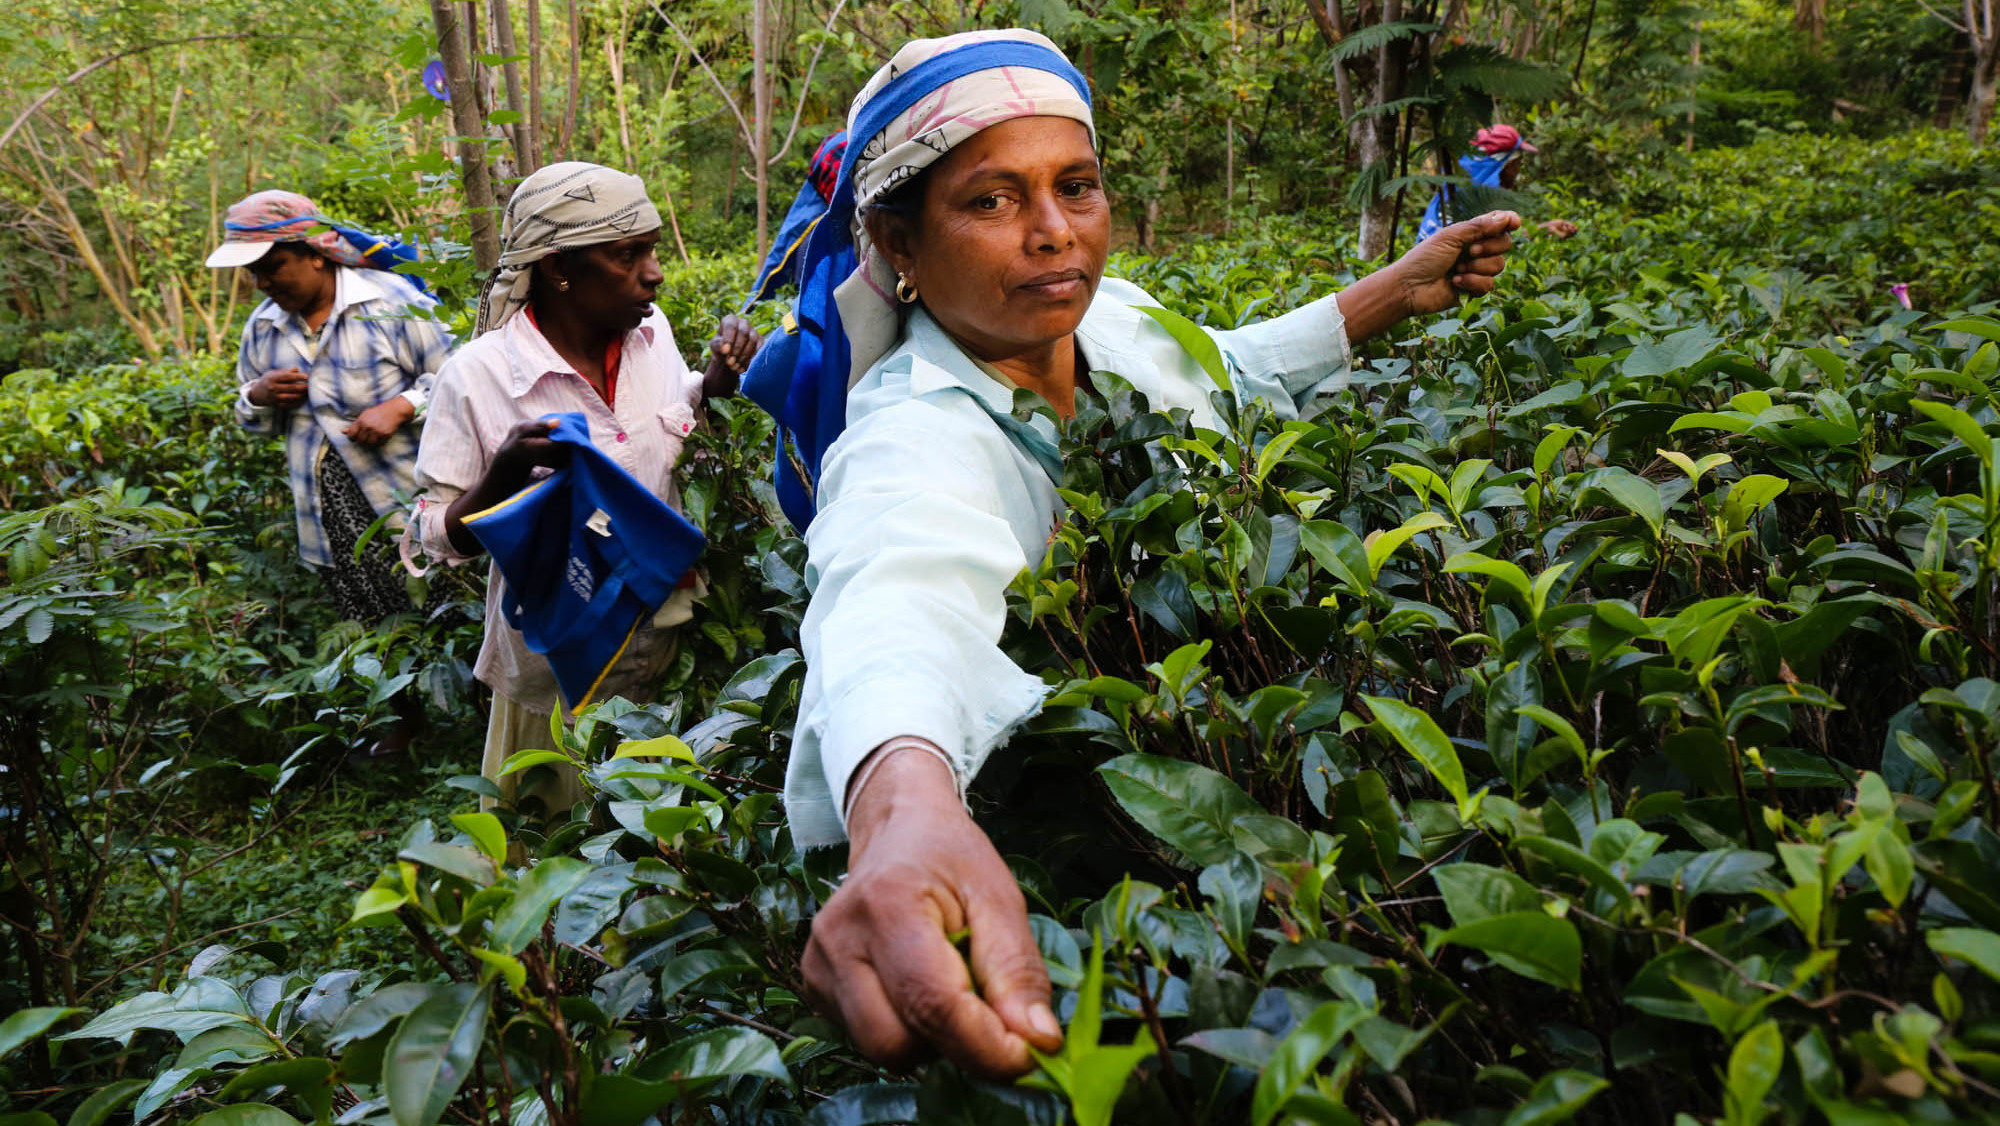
(1677, 555)
(131, 125)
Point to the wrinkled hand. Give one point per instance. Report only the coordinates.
(1462, 258)
(1559, 228)
(729, 355)
(528, 445)
(284, 388)
(378, 423)
(881, 960)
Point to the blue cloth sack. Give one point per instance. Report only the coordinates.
(800, 375)
(589, 555)
(781, 265)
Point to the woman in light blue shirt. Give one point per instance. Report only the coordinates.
(980, 259)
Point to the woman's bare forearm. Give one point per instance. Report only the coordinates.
(1374, 304)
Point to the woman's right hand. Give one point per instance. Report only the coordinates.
(284, 389)
(527, 446)
(882, 960)
(513, 464)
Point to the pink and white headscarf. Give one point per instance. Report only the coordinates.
(255, 223)
(938, 123)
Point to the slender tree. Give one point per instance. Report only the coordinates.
(474, 173)
(519, 132)
(1979, 22)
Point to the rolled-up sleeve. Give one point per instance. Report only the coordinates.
(428, 346)
(909, 560)
(255, 419)
(1288, 361)
(450, 460)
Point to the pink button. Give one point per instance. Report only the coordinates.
(621, 435)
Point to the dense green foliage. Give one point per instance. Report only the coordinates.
(127, 124)
(1591, 714)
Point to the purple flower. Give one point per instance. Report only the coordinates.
(1902, 292)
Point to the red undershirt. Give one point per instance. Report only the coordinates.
(614, 352)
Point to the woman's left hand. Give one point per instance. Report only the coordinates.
(729, 355)
(1462, 258)
(375, 425)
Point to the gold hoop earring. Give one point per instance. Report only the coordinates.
(562, 285)
(905, 292)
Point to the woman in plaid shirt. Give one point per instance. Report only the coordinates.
(338, 358)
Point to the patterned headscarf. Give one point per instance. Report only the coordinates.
(938, 123)
(561, 207)
(255, 223)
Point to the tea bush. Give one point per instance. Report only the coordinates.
(1590, 714)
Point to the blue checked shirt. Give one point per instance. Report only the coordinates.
(380, 341)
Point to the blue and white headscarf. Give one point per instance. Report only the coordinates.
(931, 97)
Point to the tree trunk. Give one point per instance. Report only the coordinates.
(473, 172)
(1375, 149)
(1583, 49)
(534, 84)
(1379, 78)
(615, 60)
(760, 121)
(1982, 27)
(1694, 83)
(1376, 142)
(1809, 16)
(1985, 83)
(524, 147)
(575, 78)
(1328, 18)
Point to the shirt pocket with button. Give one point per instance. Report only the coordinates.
(677, 419)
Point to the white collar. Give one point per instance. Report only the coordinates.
(351, 287)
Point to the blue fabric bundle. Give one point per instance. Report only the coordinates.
(801, 375)
(781, 265)
(589, 555)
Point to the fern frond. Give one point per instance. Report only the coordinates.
(1376, 35)
(1397, 106)
(1483, 70)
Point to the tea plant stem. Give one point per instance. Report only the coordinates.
(500, 1052)
(1243, 618)
(750, 782)
(1132, 619)
(1171, 1078)
(1381, 1110)
(426, 942)
(1425, 870)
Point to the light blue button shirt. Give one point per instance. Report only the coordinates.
(934, 499)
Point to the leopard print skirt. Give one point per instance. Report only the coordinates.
(372, 589)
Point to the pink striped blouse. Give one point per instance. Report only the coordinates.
(512, 375)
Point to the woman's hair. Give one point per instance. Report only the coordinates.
(902, 205)
(906, 200)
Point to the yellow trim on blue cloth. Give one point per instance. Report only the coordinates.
(606, 671)
(506, 504)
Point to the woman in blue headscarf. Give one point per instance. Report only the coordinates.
(975, 202)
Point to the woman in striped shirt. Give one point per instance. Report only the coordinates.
(568, 325)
